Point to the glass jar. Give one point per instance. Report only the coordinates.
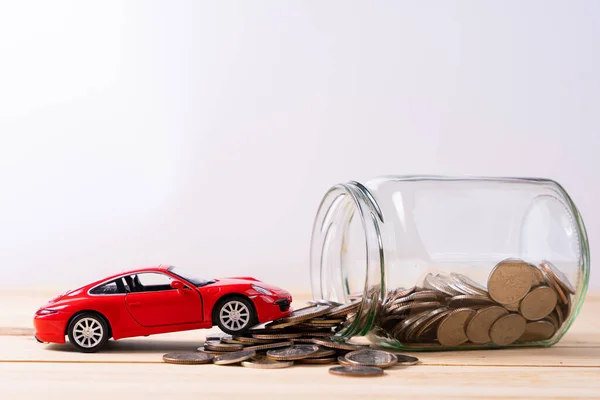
(441, 263)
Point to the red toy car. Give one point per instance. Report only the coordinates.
(161, 299)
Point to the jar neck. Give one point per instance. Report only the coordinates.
(347, 255)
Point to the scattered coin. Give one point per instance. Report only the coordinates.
(218, 346)
(234, 357)
(451, 330)
(188, 357)
(324, 360)
(323, 352)
(214, 353)
(507, 329)
(342, 360)
(537, 330)
(294, 352)
(403, 359)
(356, 371)
(267, 346)
(538, 303)
(479, 326)
(262, 362)
(372, 358)
(335, 344)
(276, 336)
(510, 281)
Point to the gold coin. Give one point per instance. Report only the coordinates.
(538, 277)
(510, 281)
(478, 328)
(552, 319)
(451, 331)
(513, 306)
(537, 330)
(558, 313)
(538, 303)
(507, 329)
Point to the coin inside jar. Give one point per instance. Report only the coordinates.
(538, 303)
(451, 330)
(510, 281)
(507, 329)
(478, 328)
(537, 330)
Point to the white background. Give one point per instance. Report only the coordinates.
(204, 134)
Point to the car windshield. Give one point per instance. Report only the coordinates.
(183, 274)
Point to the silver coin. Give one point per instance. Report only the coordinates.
(234, 357)
(372, 358)
(356, 371)
(295, 352)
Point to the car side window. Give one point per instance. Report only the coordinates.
(108, 288)
(151, 282)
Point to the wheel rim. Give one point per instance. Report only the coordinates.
(88, 332)
(234, 315)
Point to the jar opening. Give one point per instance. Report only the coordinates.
(347, 257)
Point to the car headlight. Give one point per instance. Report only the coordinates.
(45, 311)
(262, 290)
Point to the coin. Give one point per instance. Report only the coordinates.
(400, 332)
(466, 300)
(294, 352)
(510, 281)
(538, 303)
(343, 309)
(276, 336)
(403, 359)
(335, 344)
(507, 329)
(473, 285)
(561, 278)
(324, 360)
(410, 333)
(251, 340)
(372, 358)
(560, 318)
(262, 362)
(431, 323)
(234, 357)
(187, 357)
(218, 346)
(552, 319)
(397, 310)
(513, 306)
(231, 340)
(356, 371)
(307, 313)
(451, 330)
(479, 326)
(267, 346)
(538, 277)
(342, 360)
(537, 330)
(423, 295)
(433, 282)
(214, 353)
(323, 352)
(553, 282)
(397, 293)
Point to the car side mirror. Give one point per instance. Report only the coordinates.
(177, 285)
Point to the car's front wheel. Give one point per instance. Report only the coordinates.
(235, 315)
(88, 332)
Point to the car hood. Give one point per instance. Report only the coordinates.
(245, 280)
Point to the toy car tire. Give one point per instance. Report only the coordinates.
(235, 315)
(88, 332)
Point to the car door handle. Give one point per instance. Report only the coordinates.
(136, 304)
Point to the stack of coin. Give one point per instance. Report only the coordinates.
(522, 303)
(304, 337)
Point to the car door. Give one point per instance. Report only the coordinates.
(152, 302)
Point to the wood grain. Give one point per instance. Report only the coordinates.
(132, 368)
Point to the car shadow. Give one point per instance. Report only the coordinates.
(136, 346)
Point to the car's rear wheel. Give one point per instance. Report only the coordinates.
(235, 315)
(88, 332)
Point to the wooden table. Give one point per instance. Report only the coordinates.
(132, 368)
